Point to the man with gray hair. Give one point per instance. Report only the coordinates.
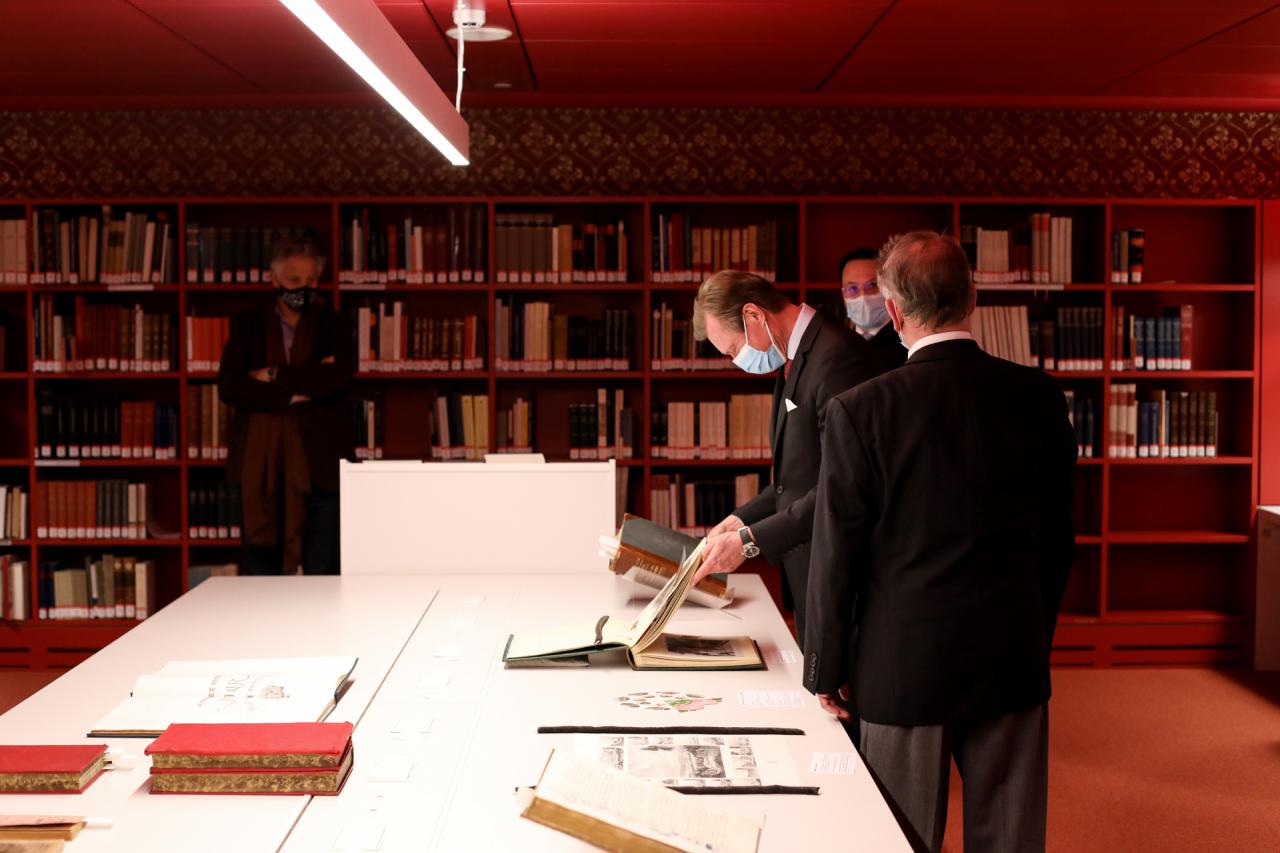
(942, 542)
(284, 369)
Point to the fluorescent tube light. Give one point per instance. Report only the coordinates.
(361, 35)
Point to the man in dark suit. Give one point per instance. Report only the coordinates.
(284, 369)
(864, 306)
(943, 535)
(753, 323)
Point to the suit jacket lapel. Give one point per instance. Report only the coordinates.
(789, 387)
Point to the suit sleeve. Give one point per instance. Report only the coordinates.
(760, 507)
(323, 381)
(235, 386)
(1057, 533)
(780, 532)
(844, 512)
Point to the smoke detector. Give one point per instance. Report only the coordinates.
(469, 23)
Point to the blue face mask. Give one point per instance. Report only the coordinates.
(757, 361)
(867, 312)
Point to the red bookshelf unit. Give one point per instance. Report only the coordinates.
(1164, 547)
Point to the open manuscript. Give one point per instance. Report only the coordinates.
(274, 690)
(614, 811)
(646, 645)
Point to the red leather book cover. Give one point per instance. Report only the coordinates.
(213, 739)
(48, 759)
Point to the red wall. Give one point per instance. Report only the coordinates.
(1269, 452)
(666, 151)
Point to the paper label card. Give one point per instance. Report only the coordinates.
(771, 699)
(434, 680)
(833, 763)
(366, 835)
(395, 768)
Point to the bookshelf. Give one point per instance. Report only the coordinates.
(1164, 547)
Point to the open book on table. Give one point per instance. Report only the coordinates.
(615, 811)
(642, 637)
(270, 690)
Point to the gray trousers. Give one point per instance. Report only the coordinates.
(1004, 763)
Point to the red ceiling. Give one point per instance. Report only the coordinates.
(660, 51)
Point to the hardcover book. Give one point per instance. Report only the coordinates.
(614, 811)
(650, 554)
(282, 690)
(50, 769)
(608, 633)
(251, 758)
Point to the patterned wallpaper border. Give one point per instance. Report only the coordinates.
(644, 151)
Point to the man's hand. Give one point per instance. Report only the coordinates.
(830, 704)
(262, 374)
(722, 554)
(328, 359)
(299, 398)
(729, 525)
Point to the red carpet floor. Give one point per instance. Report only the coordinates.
(1166, 760)
(1162, 760)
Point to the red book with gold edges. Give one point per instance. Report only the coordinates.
(251, 758)
(39, 769)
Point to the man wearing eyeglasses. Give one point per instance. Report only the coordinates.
(864, 304)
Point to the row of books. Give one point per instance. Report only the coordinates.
(366, 416)
(107, 588)
(1153, 343)
(79, 337)
(738, 429)
(460, 428)
(683, 252)
(1128, 255)
(92, 509)
(208, 423)
(673, 346)
(391, 340)
(75, 427)
(110, 249)
(206, 337)
(213, 511)
(1070, 341)
(605, 429)
(14, 264)
(530, 338)
(1161, 423)
(13, 512)
(533, 248)
(15, 588)
(1036, 252)
(694, 507)
(235, 255)
(412, 252)
(515, 427)
(1083, 414)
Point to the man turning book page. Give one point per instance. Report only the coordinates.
(638, 636)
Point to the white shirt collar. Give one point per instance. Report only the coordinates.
(929, 340)
(871, 333)
(797, 331)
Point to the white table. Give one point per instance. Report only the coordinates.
(370, 617)
(428, 656)
(483, 743)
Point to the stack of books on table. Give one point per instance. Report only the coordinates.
(56, 769)
(251, 758)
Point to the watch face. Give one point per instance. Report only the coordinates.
(750, 550)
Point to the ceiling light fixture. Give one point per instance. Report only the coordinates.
(468, 20)
(363, 38)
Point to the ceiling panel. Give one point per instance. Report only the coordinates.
(944, 48)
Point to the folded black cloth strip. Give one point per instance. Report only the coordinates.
(665, 730)
(747, 789)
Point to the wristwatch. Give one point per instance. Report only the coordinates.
(750, 549)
